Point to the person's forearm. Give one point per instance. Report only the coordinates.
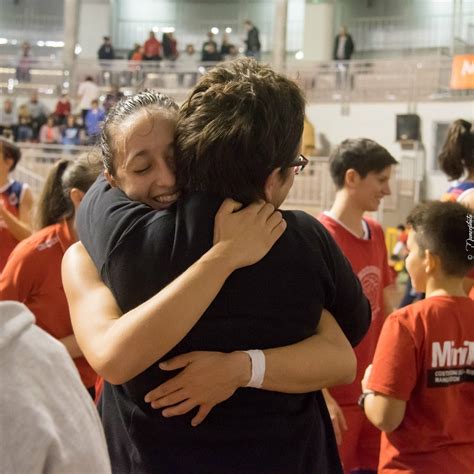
(309, 365)
(386, 413)
(70, 343)
(19, 229)
(133, 342)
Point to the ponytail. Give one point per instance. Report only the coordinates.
(55, 203)
(457, 154)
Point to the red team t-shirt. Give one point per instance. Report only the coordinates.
(368, 258)
(32, 276)
(425, 356)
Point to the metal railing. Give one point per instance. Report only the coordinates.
(37, 159)
(410, 33)
(408, 79)
(312, 191)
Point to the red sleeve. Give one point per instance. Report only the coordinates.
(394, 371)
(16, 279)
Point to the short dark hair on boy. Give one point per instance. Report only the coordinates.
(444, 229)
(10, 151)
(362, 155)
(242, 121)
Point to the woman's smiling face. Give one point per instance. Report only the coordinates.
(143, 158)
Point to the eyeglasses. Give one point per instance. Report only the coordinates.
(299, 164)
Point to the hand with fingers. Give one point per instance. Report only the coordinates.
(338, 420)
(207, 378)
(246, 235)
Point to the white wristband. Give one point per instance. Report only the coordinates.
(257, 359)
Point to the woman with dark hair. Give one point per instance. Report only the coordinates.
(457, 161)
(32, 274)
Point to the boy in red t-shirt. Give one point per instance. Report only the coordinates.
(360, 169)
(16, 202)
(419, 390)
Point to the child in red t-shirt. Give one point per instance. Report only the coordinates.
(419, 390)
(360, 169)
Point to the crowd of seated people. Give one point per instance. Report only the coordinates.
(33, 122)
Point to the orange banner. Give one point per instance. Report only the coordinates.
(462, 72)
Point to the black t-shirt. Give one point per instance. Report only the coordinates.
(276, 302)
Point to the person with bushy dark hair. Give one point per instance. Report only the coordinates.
(16, 202)
(418, 390)
(360, 169)
(222, 148)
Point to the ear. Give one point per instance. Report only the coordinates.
(431, 262)
(271, 184)
(110, 179)
(76, 196)
(351, 178)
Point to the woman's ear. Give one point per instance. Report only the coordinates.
(76, 196)
(110, 179)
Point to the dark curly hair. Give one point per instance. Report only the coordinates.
(242, 121)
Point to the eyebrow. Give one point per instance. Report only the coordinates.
(135, 156)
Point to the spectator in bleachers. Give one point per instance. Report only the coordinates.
(360, 170)
(38, 113)
(32, 274)
(343, 50)
(343, 45)
(71, 132)
(227, 48)
(87, 91)
(188, 63)
(24, 63)
(49, 423)
(16, 202)
(170, 47)
(114, 96)
(93, 122)
(8, 120)
(135, 48)
(63, 109)
(106, 51)
(209, 49)
(49, 133)
(25, 124)
(252, 42)
(152, 48)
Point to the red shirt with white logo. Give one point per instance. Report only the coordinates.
(32, 276)
(425, 356)
(369, 261)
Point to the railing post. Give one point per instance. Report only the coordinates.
(71, 22)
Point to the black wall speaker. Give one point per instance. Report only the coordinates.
(408, 127)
